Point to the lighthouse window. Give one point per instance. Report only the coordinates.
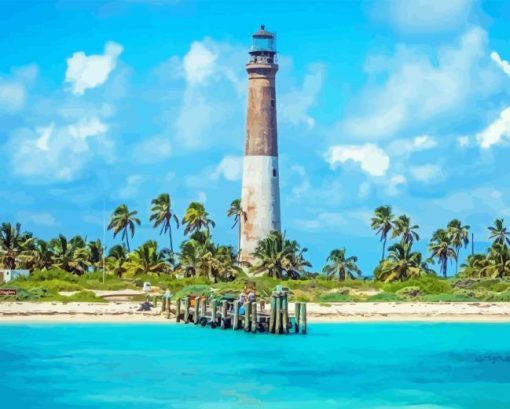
(272, 103)
(274, 173)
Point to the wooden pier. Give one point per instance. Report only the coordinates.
(250, 317)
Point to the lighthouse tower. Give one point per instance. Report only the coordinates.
(260, 198)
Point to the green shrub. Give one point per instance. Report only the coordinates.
(502, 296)
(426, 284)
(335, 297)
(409, 292)
(447, 298)
(385, 297)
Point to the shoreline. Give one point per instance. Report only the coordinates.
(349, 312)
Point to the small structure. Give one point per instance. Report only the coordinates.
(7, 275)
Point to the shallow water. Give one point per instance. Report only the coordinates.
(182, 366)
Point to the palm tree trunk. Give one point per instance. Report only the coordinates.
(383, 248)
(170, 237)
(127, 242)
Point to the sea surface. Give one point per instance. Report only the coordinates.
(400, 365)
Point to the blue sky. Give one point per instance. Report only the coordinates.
(401, 103)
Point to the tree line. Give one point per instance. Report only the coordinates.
(275, 255)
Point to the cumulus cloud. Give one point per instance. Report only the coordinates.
(420, 90)
(153, 149)
(230, 168)
(213, 88)
(372, 159)
(394, 183)
(54, 152)
(13, 89)
(426, 15)
(496, 132)
(403, 147)
(130, 187)
(294, 106)
(426, 173)
(87, 72)
(503, 64)
(39, 218)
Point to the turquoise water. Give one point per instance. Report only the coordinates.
(422, 366)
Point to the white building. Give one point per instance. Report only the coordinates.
(8, 275)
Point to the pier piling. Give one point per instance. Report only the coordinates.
(178, 310)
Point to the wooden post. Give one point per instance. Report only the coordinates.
(213, 313)
(155, 298)
(197, 310)
(247, 316)
(168, 307)
(297, 311)
(272, 315)
(224, 312)
(278, 324)
(303, 318)
(203, 312)
(178, 310)
(163, 305)
(254, 317)
(285, 314)
(235, 322)
(186, 309)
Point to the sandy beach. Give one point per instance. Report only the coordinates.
(125, 312)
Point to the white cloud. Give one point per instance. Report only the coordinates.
(303, 186)
(504, 65)
(403, 147)
(426, 173)
(294, 105)
(372, 159)
(495, 133)
(131, 187)
(394, 183)
(419, 89)
(481, 199)
(199, 63)
(230, 168)
(151, 150)
(55, 153)
(202, 197)
(427, 15)
(13, 90)
(87, 72)
(38, 218)
(464, 141)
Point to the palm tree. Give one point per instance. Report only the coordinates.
(147, 259)
(402, 228)
(341, 265)
(279, 257)
(499, 234)
(236, 211)
(498, 262)
(441, 248)
(117, 256)
(95, 254)
(124, 220)
(402, 264)
(474, 266)
(382, 222)
(459, 236)
(162, 215)
(13, 243)
(196, 218)
(69, 255)
(42, 256)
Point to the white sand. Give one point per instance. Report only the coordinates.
(334, 312)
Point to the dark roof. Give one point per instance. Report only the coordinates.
(262, 33)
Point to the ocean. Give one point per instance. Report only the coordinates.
(366, 365)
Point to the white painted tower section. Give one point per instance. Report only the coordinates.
(260, 199)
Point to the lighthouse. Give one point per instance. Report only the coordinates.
(260, 197)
